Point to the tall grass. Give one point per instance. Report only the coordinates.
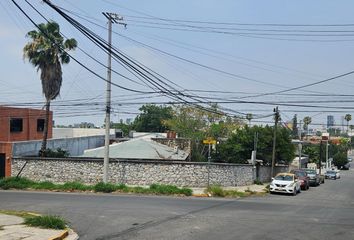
(47, 221)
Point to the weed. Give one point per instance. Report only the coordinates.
(257, 182)
(16, 183)
(169, 189)
(71, 186)
(216, 191)
(49, 221)
(105, 187)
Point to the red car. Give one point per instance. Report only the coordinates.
(302, 178)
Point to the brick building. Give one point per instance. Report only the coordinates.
(19, 124)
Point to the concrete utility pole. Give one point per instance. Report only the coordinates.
(276, 119)
(299, 145)
(112, 18)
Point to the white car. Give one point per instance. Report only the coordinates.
(285, 183)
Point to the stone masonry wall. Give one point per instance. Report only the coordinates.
(264, 172)
(133, 172)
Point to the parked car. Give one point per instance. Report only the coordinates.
(304, 180)
(314, 177)
(285, 183)
(346, 166)
(337, 173)
(331, 174)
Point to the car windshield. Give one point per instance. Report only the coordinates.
(300, 174)
(331, 172)
(284, 177)
(311, 171)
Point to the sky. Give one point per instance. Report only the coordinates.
(227, 50)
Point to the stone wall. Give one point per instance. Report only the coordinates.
(265, 171)
(133, 172)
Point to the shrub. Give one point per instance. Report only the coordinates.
(105, 187)
(14, 182)
(51, 222)
(58, 153)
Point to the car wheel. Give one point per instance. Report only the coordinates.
(294, 191)
(308, 186)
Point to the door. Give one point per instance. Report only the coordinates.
(2, 165)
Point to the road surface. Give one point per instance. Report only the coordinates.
(325, 212)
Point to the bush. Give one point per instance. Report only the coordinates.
(51, 222)
(14, 182)
(105, 187)
(58, 153)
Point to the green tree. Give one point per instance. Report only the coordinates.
(340, 159)
(295, 134)
(348, 118)
(238, 148)
(198, 124)
(152, 118)
(249, 117)
(47, 51)
(126, 128)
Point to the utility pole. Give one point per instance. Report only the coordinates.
(300, 145)
(276, 119)
(112, 18)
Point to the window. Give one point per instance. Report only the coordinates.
(40, 125)
(16, 125)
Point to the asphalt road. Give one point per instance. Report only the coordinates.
(325, 212)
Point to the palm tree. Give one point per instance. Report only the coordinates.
(307, 120)
(348, 118)
(249, 117)
(47, 51)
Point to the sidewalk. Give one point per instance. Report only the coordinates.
(253, 188)
(11, 228)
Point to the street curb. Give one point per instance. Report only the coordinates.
(61, 236)
(201, 195)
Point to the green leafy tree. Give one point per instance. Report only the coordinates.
(47, 51)
(340, 159)
(198, 124)
(126, 128)
(238, 148)
(152, 118)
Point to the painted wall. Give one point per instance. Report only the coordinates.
(75, 146)
(29, 124)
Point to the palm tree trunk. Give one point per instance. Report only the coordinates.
(45, 130)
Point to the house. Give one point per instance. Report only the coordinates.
(19, 124)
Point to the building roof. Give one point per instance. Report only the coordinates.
(139, 149)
